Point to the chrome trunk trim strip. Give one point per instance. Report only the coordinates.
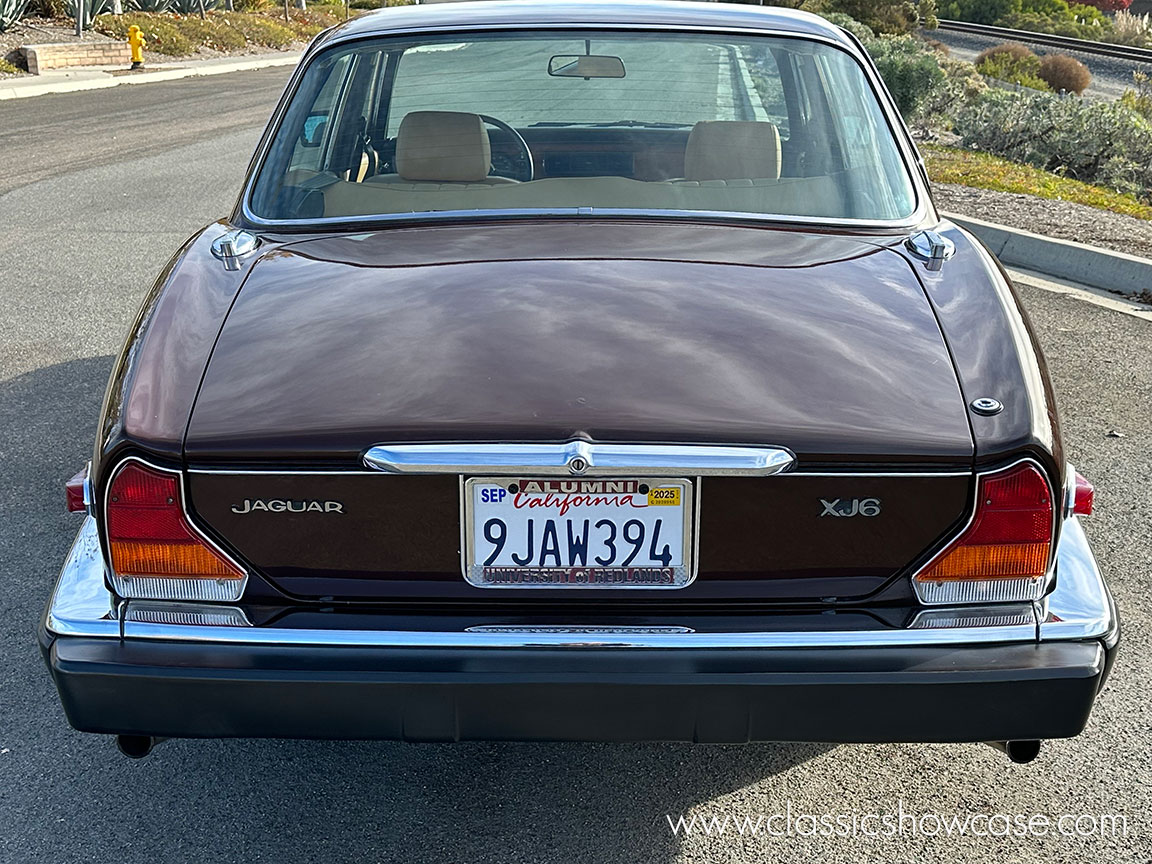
(580, 458)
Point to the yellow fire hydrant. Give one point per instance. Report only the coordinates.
(136, 42)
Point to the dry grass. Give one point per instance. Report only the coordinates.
(969, 168)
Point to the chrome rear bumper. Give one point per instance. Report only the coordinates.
(1024, 671)
(1080, 608)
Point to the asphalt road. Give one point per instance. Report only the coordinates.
(81, 239)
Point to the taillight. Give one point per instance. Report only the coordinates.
(76, 491)
(1083, 494)
(155, 552)
(1004, 552)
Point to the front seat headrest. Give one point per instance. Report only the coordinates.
(732, 150)
(443, 146)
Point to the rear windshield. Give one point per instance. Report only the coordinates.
(584, 122)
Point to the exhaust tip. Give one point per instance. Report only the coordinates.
(136, 746)
(1020, 752)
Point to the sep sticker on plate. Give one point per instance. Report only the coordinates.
(578, 533)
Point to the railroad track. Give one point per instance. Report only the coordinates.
(1084, 46)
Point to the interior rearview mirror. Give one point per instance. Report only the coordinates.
(585, 66)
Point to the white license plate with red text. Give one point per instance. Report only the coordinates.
(578, 533)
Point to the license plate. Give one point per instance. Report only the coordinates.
(578, 533)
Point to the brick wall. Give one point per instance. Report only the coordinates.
(61, 55)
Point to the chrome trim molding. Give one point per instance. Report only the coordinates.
(1081, 606)
(81, 603)
(580, 458)
(82, 606)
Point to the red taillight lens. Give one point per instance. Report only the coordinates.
(1083, 496)
(1004, 552)
(75, 491)
(155, 551)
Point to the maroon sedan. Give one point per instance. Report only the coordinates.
(582, 371)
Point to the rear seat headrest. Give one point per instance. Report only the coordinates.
(443, 146)
(732, 150)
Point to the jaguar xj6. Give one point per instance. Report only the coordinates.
(582, 371)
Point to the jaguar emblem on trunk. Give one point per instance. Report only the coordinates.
(282, 505)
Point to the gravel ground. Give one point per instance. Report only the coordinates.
(1111, 76)
(1063, 219)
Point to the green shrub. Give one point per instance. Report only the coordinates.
(192, 7)
(910, 71)
(1014, 50)
(861, 31)
(209, 33)
(149, 5)
(1094, 141)
(1097, 29)
(258, 29)
(978, 11)
(1064, 74)
(160, 31)
(251, 5)
(1023, 71)
(47, 8)
(1140, 99)
(7, 68)
(11, 11)
(892, 17)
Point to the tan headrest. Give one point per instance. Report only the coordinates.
(732, 150)
(443, 146)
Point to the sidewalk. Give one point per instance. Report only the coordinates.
(100, 77)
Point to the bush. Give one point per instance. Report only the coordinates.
(911, 72)
(1110, 5)
(159, 30)
(251, 5)
(1064, 74)
(11, 11)
(258, 30)
(1097, 142)
(149, 5)
(192, 7)
(209, 33)
(1024, 72)
(1129, 29)
(1140, 99)
(1099, 30)
(1012, 49)
(978, 11)
(881, 16)
(47, 8)
(846, 22)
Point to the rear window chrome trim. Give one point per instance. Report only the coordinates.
(909, 156)
(581, 458)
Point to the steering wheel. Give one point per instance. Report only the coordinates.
(527, 172)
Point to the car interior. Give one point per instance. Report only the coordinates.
(358, 152)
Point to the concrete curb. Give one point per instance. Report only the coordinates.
(77, 79)
(1075, 262)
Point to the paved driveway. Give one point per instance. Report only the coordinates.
(98, 190)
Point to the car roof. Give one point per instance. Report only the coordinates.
(609, 13)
